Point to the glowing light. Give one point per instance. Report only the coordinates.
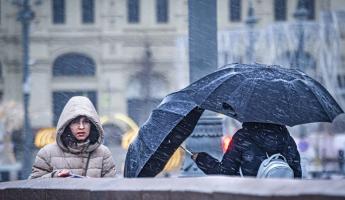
(226, 139)
(175, 161)
(45, 136)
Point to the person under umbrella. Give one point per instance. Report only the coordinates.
(248, 149)
(246, 92)
(78, 151)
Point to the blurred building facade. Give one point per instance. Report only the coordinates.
(102, 48)
(93, 48)
(125, 55)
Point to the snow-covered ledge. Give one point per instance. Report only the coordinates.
(201, 188)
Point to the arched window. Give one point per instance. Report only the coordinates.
(74, 64)
(144, 94)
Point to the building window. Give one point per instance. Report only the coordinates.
(310, 6)
(74, 64)
(279, 10)
(58, 11)
(235, 10)
(162, 11)
(88, 11)
(60, 99)
(133, 11)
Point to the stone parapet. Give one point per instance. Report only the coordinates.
(198, 188)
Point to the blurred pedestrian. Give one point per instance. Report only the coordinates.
(248, 149)
(78, 150)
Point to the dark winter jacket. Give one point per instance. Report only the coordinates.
(248, 149)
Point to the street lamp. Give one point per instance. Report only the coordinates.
(144, 77)
(300, 15)
(251, 21)
(25, 16)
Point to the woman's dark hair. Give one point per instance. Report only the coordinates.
(68, 138)
(94, 134)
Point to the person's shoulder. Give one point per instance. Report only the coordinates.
(102, 149)
(242, 133)
(50, 147)
(49, 150)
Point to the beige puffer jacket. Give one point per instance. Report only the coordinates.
(57, 156)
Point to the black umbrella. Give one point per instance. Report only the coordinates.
(167, 127)
(248, 93)
(268, 94)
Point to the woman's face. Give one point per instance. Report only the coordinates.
(80, 128)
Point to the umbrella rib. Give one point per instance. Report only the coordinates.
(183, 128)
(251, 94)
(220, 79)
(318, 100)
(192, 86)
(220, 84)
(287, 88)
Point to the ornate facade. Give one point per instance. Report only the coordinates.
(118, 39)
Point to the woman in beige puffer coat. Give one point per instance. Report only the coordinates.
(78, 149)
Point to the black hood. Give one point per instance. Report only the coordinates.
(269, 137)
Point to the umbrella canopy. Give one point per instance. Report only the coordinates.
(248, 93)
(167, 127)
(267, 94)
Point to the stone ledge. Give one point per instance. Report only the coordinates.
(200, 188)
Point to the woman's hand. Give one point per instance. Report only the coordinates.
(64, 173)
(194, 156)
